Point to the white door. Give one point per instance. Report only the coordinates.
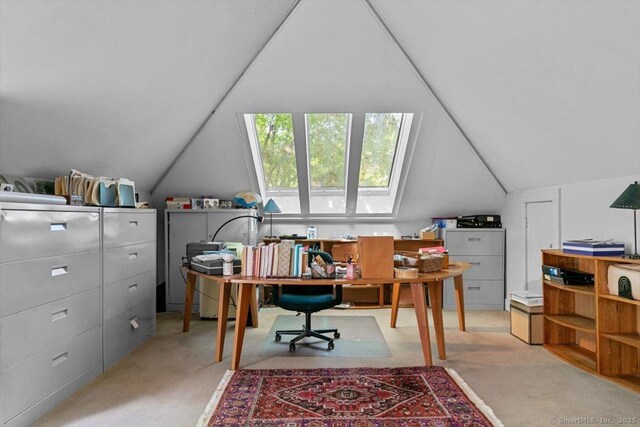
(539, 235)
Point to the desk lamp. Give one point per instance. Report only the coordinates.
(630, 199)
(271, 207)
(258, 218)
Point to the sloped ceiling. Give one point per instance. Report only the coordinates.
(549, 92)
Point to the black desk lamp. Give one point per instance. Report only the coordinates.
(630, 199)
(258, 218)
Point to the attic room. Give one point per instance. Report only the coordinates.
(445, 189)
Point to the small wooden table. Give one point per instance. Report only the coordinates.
(247, 301)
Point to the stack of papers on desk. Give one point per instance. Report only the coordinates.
(528, 298)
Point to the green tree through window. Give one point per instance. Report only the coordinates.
(379, 148)
(327, 141)
(277, 149)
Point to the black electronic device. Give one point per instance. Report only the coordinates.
(479, 221)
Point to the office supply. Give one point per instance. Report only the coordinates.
(199, 248)
(271, 207)
(405, 272)
(15, 197)
(528, 298)
(213, 264)
(630, 199)
(526, 322)
(479, 221)
(592, 247)
(125, 193)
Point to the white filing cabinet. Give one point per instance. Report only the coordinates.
(185, 226)
(50, 307)
(484, 249)
(129, 280)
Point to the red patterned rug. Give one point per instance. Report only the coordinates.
(420, 396)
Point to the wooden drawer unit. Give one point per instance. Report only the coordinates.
(30, 332)
(128, 293)
(129, 325)
(27, 383)
(27, 284)
(127, 261)
(461, 241)
(128, 227)
(26, 234)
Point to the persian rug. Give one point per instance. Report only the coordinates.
(417, 396)
(360, 336)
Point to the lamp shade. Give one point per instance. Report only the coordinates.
(629, 199)
(271, 207)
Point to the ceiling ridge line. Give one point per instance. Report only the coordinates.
(431, 89)
(224, 96)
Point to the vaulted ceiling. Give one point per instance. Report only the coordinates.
(547, 92)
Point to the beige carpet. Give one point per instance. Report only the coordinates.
(169, 381)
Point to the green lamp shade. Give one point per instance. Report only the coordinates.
(271, 207)
(629, 199)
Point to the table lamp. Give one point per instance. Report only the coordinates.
(271, 207)
(258, 218)
(630, 199)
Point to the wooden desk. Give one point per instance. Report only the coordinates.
(433, 280)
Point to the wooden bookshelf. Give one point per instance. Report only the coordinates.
(588, 327)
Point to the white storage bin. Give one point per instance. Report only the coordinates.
(624, 276)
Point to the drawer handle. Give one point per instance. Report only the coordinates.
(473, 288)
(474, 263)
(133, 287)
(134, 322)
(58, 226)
(59, 359)
(60, 314)
(133, 255)
(133, 223)
(474, 239)
(59, 271)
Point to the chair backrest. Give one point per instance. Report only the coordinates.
(306, 290)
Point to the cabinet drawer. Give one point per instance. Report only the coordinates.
(35, 234)
(129, 325)
(30, 332)
(474, 242)
(483, 267)
(27, 284)
(488, 292)
(29, 382)
(128, 261)
(122, 229)
(128, 293)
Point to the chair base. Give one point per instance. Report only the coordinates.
(308, 332)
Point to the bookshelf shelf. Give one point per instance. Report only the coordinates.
(620, 299)
(630, 338)
(574, 321)
(575, 355)
(579, 289)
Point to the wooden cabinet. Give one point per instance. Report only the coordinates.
(588, 327)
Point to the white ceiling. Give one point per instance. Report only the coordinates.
(549, 92)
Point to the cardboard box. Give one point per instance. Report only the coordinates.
(427, 235)
(526, 323)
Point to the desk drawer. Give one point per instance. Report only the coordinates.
(36, 378)
(483, 267)
(475, 242)
(34, 234)
(476, 292)
(30, 332)
(128, 261)
(27, 284)
(128, 293)
(129, 325)
(122, 229)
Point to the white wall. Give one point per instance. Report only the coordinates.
(583, 213)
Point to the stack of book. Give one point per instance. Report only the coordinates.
(528, 298)
(284, 259)
(566, 277)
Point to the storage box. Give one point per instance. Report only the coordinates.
(526, 323)
(585, 248)
(427, 235)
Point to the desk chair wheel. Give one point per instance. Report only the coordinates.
(336, 335)
(278, 337)
(292, 347)
(330, 346)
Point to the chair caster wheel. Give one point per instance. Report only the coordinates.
(330, 346)
(278, 337)
(292, 347)
(336, 335)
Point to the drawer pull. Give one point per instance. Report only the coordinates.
(133, 287)
(474, 263)
(474, 239)
(134, 322)
(133, 223)
(473, 288)
(59, 271)
(59, 359)
(60, 314)
(58, 226)
(133, 255)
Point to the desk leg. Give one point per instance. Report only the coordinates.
(420, 305)
(244, 295)
(460, 301)
(395, 304)
(253, 304)
(435, 297)
(188, 300)
(223, 312)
